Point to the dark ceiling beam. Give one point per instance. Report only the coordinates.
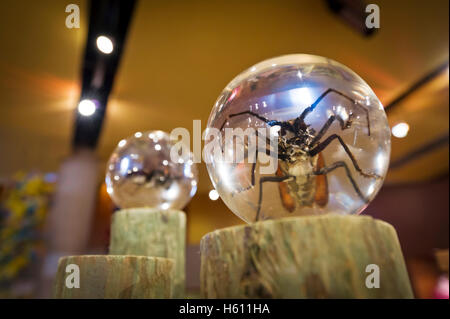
(110, 18)
(417, 85)
(434, 144)
(437, 143)
(352, 13)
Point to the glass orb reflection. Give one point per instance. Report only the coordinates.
(331, 132)
(140, 173)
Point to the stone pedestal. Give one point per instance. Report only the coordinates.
(111, 277)
(152, 232)
(328, 256)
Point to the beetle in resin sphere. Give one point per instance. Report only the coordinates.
(326, 132)
(140, 173)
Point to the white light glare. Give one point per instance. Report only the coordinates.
(213, 195)
(172, 193)
(86, 107)
(342, 113)
(301, 96)
(400, 130)
(124, 164)
(104, 44)
(122, 143)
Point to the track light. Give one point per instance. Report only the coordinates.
(104, 44)
(87, 107)
(400, 130)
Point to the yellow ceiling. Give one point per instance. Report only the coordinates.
(40, 61)
(180, 54)
(427, 112)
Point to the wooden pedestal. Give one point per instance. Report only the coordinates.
(114, 277)
(152, 232)
(304, 257)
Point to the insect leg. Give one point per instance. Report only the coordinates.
(321, 146)
(327, 125)
(265, 150)
(258, 150)
(262, 118)
(276, 179)
(328, 91)
(336, 165)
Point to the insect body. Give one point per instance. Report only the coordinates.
(301, 173)
(296, 162)
(155, 178)
(306, 188)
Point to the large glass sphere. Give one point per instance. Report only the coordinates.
(140, 173)
(329, 130)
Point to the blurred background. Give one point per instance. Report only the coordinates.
(169, 62)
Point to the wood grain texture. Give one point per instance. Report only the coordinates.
(152, 232)
(303, 257)
(112, 277)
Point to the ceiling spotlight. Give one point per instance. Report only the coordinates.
(400, 130)
(213, 195)
(104, 44)
(86, 107)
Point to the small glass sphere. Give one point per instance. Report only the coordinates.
(140, 173)
(331, 140)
